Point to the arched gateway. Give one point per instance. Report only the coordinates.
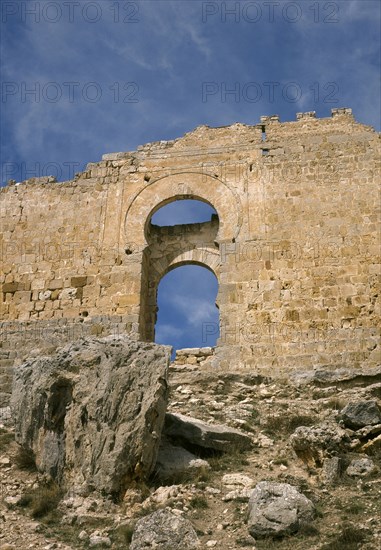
(164, 248)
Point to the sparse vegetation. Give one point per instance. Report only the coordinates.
(335, 404)
(280, 460)
(347, 539)
(198, 475)
(123, 534)
(5, 439)
(255, 414)
(354, 507)
(308, 530)
(198, 503)
(228, 461)
(287, 424)
(42, 500)
(244, 541)
(24, 460)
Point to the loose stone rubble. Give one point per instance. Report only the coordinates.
(344, 485)
(173, 462)
(312, 444)
(360, 414)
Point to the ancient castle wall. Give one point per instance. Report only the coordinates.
(296, 247)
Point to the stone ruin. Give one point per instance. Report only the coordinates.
(295, 246)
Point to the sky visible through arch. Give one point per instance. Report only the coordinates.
(80, 78)
(187, 314)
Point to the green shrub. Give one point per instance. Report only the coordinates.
(198, 503)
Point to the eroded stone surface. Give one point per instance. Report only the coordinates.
(92, 414)
(361, 467)
(360, 414)
(174, 461)
(210, 436)
(276, 509)
(312, 443)
(164, 530)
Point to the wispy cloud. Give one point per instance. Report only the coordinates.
(196, 311)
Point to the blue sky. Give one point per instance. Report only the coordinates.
(108, 76)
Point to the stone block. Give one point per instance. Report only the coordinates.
(9, 287)
(78, 282)
(128, 299)
(55, 284)
(22, 296)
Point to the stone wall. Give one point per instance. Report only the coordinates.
(22, 339)
(193, 357)
(295, 247)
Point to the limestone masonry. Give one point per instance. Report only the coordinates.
(295, 245)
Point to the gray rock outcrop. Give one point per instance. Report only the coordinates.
(313, 443)
(341, 376)
(92, 413)
(332, 469)
(361, 467)
(277, 509)
(209, 436)
(361, 413)
(164, 530)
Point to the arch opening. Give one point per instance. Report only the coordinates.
(182, 211)
(187, 313)
(183, 185)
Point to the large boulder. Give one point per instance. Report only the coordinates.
(277, 509)
(361, 413)
(210, 436)
(164, 530)
(92, 413)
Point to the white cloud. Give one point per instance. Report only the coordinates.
(196, 311)
(165, 333)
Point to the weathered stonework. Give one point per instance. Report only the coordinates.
(295, 248)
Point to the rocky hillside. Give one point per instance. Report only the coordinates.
(244, 462)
